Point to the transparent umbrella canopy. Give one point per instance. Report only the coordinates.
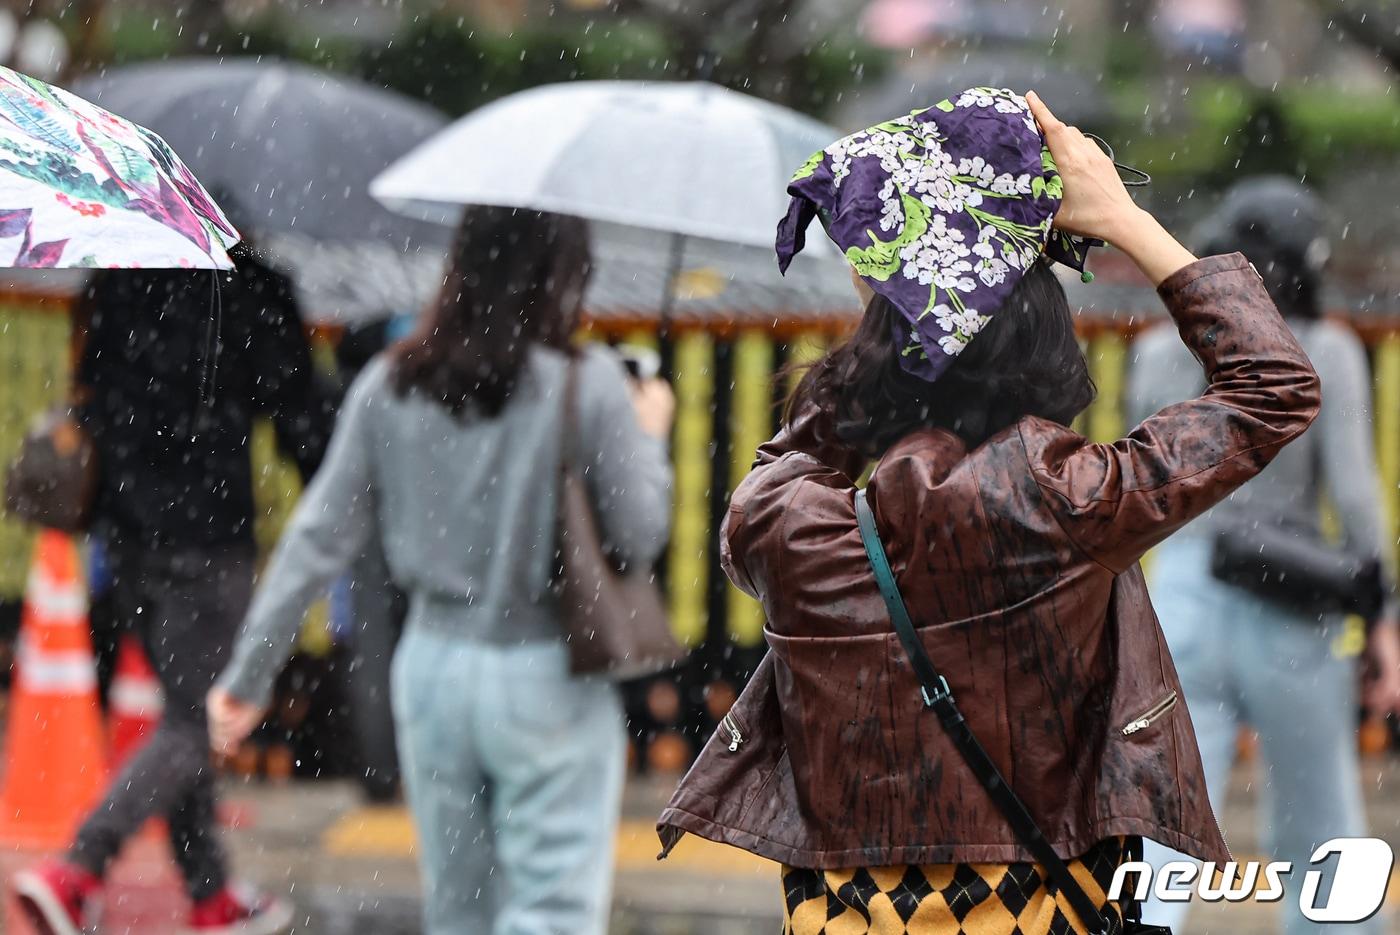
(684, 181)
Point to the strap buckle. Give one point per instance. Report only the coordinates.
(943, 692)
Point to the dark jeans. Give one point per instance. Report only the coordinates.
(185, 605)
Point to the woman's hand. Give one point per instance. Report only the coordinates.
(1096, 203)
(231, 720)
(655, 404)
(1382, 695)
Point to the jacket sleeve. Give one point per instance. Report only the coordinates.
(805, 449)
(287, 387)
(1116, 501)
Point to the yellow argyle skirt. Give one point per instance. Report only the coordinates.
(947, 899)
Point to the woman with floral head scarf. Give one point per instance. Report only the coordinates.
(1013, 539)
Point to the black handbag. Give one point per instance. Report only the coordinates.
(1291, 566)
(939, 700)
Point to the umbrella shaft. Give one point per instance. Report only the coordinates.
(673, 272)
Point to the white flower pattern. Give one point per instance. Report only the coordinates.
(910, 150)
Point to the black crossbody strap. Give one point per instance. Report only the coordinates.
(940, 699)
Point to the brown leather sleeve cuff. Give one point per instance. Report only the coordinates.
(1210, 266)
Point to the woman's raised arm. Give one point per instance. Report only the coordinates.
(1117, 501)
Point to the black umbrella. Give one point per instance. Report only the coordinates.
(294, 149)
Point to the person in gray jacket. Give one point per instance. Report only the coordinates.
(448, 450)
(1243, 659)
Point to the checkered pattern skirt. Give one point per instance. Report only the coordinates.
(947, 899)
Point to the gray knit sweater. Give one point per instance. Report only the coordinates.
(1334, 462)
(464, 508)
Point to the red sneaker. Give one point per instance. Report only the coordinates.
(239, 911)
(56, 897)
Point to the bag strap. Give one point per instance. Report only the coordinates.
(569, 442)
(940, 699)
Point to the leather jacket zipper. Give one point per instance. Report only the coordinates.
(1150, 716)
(1229, 853)
(736, 736)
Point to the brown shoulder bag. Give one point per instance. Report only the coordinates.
(614, 617)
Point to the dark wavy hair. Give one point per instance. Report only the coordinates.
(1025, 362)
(517, 278)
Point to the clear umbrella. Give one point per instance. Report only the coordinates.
(704, 164)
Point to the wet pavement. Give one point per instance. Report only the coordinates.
(349, 867)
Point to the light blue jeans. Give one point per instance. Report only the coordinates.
(1243, 660)
(513, 771)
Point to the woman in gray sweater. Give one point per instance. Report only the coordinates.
(448, 450)
(1244, 659)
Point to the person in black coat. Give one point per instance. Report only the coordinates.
(174, 369)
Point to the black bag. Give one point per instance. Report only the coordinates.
(939, 699)
(1292, 567)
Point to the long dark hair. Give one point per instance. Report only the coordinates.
(517, 278)
(1025, 362)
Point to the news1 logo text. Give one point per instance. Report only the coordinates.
(1357, 868)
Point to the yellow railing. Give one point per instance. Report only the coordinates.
(688, 564)
(750, 425)
(33, 379)
(733, 369)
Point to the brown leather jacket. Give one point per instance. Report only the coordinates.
(1020, 561)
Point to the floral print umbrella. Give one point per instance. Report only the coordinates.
(81, 187)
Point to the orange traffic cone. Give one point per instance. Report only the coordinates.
(54, 747)
(135, 702)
